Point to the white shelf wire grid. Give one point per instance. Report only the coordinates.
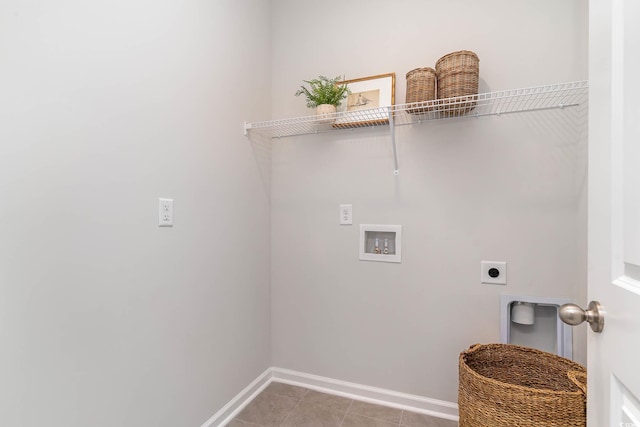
(561, 95)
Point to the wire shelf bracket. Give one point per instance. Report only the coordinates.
(538, 98)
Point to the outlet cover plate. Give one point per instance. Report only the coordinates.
(487, 266)
(165, 212)
(346, 214)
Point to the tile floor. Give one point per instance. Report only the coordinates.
(284, 405)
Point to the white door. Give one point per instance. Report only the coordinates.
(614, 212)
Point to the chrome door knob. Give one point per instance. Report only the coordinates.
(573, 315)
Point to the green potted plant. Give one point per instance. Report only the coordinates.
(324, 94)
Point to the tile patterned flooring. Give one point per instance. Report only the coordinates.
(283, 405)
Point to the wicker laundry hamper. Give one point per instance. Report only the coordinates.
(421, 87)
(504, 385)
(457, 76)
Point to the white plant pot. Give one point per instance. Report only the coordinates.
(326, 113)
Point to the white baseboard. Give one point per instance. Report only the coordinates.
(380, 396)
(237, 404)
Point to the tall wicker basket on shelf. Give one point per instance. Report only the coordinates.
(504, 385)
(457, 76)
(421, 87)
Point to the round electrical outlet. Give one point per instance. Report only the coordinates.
(493, 272)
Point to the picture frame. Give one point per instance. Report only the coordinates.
(368, 103)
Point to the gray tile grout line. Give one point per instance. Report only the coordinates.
(329, 407)
(246, 422)
(295, 407)
(364, 416)
(379, 419)
(345, 413)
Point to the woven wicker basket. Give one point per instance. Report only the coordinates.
(421, 86)
(503, 385)
(457, 76)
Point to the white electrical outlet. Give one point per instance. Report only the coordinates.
(346, 214)
(493, 272)
(165, 212)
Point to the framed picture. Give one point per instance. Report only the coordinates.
(367, 104)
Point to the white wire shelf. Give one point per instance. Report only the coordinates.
(562, 95)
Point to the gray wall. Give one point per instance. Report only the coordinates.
(106, 319)
(508, 188)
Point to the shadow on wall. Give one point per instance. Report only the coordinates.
(261, 147)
